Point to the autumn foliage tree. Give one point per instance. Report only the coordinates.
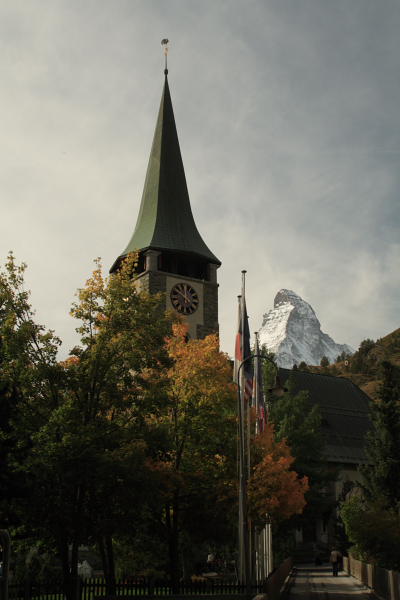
(122, 337)
(136, 424)
(196, 456)
(136, 428)
(274, 488)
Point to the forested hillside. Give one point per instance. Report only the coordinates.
(364, 366)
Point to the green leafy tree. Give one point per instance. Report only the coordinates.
(343, 356)
(81, 422)
(122, 337)
(324, 362)
(10, 484)
(381, 502)
(383, 441)
(303, 366)
(30, 383)
(361, 361)
(298, 422)
(374, 530)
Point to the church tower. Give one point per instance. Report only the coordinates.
(173, 258)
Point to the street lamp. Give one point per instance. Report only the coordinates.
(245, 553)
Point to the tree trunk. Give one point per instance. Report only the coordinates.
(102, 551)
(74, 581)
(70, 570)
(172, 512)
(110, 582)
(63, 549)
(107, 558)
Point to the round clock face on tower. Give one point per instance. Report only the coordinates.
(184, 298)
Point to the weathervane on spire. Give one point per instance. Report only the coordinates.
(165, 43)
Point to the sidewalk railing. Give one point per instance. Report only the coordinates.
(384, 583)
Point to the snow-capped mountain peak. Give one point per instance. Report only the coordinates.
(292, 331)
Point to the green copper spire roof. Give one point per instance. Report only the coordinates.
(165, 220)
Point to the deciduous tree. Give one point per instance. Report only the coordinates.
(199, 426)
(383, 441)
(82, 421)
(273, 487)
(374, 529)
(372, 522)
(298, 422)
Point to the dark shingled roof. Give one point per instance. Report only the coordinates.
(165, 220)
(344, 410)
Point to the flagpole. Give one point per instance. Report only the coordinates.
(257, 559)
(245, 569)
(243, 356)
(244, 554)
(246, 414)
(242, 492)
(248, 383)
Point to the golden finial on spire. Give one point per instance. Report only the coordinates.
(165, 43)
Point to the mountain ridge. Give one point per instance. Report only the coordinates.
(292, 331)
(364, 367)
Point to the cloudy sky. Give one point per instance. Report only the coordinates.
(288, 118)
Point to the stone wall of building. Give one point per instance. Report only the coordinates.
(152, 282)
(210, 308)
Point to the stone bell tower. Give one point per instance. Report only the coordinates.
(173, 258)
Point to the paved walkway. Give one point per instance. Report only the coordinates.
(318, 583)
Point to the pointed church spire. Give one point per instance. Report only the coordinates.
(165, 220)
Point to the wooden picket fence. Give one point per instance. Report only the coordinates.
(95, 588)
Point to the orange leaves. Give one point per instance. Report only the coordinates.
(69, 362)
(199, 370)
(273, 487)
(164, 473)
(105, 301)
(200, 398)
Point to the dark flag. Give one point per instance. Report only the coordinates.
(242, 351)
(258, 399)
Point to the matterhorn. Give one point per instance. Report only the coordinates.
(293, 333)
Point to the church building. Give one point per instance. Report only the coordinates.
(173, 258)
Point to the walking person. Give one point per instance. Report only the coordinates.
(335, 559)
